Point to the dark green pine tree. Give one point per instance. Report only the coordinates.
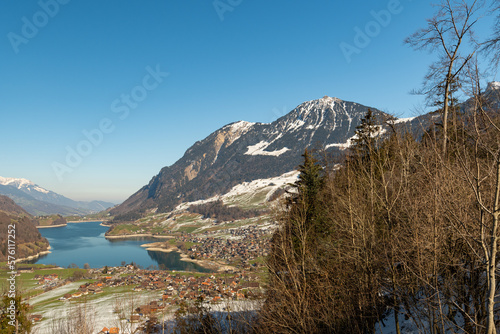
(308, 187)
(365, 141)
(311, 179)
(21, 323)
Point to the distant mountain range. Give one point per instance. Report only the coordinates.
(39, 201)
(243, 152)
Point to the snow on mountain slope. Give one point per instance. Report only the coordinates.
(256, 185)
(249, 189)
(238, 129)
(350, 141)
(18, 183)
(241, 126)
(24, 185)
(259, 149)
(404, 120)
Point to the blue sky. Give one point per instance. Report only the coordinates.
(67, 70)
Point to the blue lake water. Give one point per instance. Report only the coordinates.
(85, 243)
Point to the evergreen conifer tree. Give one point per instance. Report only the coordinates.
(19, 323)
(364, 142)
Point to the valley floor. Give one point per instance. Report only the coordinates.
(125, 297)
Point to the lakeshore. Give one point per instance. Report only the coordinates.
(52, 226)
(72, 222)
(209, 264)
(80, 244)
(141, 235)
(86, 221)
(36, 256)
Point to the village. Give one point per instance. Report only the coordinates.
(143, 296)
(171, 289)
(239, 246)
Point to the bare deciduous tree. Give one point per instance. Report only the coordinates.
(492, 45)
(447, 32)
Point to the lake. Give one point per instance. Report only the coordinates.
(81, 243)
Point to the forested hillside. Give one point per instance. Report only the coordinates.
(28, 241)
(401, 228)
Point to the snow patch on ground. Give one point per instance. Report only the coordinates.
(404, 120)
(259, 149)
(100, 310)
(256, 185)
(351, 140)
(340, 146)
(388, 325)
(58, 292)
(272, 184)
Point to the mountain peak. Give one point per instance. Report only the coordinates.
(18, 183)
(243, 151)
(326, 102)
(239, 126)
(327, 98)
(493, 85)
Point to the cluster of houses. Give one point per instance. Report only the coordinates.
(50, 281)
(175, 288)
(47, 279)
(243, 245)
(210, 289)
(85, 289)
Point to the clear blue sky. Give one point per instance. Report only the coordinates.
(253, 60)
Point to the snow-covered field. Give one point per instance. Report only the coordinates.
(99, 311)
(56, 293)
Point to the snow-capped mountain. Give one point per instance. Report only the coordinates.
(22, 184)
(494, 85)
(492, 93)
(243, 152)
(39, 201)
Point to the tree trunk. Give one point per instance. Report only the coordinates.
(446, 104)
(491, 271)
